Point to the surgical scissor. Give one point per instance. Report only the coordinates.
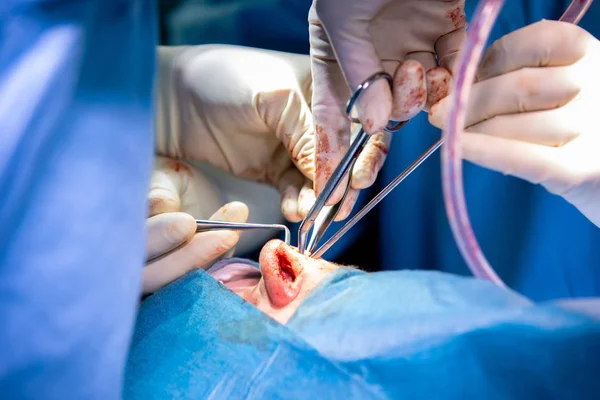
(203, 225)
(320, 216)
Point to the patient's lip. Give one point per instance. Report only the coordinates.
(281, 268)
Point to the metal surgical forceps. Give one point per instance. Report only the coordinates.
(203, 225)
(320, 216)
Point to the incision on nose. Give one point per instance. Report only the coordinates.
(285, 266)
(281, 267)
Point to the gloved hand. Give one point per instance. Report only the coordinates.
(246, 111)
(353, 39)
(532, 113)
(178, 187)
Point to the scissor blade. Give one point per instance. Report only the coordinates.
(319, 227)
(336, 178)
(325, 219)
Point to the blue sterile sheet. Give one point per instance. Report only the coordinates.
(396, 334)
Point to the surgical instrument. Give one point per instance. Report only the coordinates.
(203, 225)
(363, 211)
(207, 225)
(321, 215)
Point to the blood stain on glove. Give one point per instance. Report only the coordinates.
(458, 17)
(410, 93)
(225, 212)
(370, 161)
(438, 85)
(176, 166)
(323, 167)
(159, 204)
(380, 146)
(375, 160)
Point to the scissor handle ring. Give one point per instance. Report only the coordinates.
(392, 126)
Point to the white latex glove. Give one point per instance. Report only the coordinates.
(533, 112)
(351, 40)
(177, 187)
(246, 111)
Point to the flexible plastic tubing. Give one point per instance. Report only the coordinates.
(452, 179)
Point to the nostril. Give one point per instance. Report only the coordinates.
(285, 266)
(287, 272)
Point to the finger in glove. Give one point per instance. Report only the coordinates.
(199, 252)
(167, 231)
(409, 90)
(167, 182)
(370, 161)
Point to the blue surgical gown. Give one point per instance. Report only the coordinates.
(75, 160)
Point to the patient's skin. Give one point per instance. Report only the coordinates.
(287, 278)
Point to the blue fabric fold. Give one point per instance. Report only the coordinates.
(396, 334)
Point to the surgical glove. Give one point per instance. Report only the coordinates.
(176, 187)
(532, 112)
(415, 41)
(245, 111)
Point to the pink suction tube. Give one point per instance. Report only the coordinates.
(452, 180)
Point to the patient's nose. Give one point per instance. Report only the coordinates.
(281, 266)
